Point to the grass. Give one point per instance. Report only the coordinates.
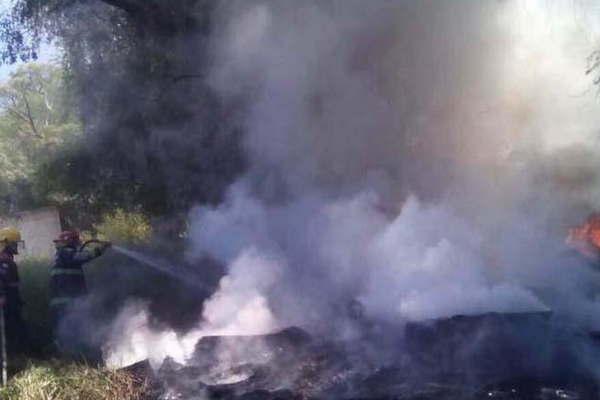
(42, 379)
(59, 381)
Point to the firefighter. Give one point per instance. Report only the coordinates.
(67, 282)
(10, 296)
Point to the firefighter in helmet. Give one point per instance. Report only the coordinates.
(67, 282)
(10, 296)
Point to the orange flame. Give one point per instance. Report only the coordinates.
(586, 237)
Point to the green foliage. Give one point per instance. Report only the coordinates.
(157, 134)
(37, 122)
(36, 106)
(125, 227)
(56, 381)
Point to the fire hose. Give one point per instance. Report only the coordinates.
(94, 241)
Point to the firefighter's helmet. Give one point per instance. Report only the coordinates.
(68, 238)
(10, 238)
(10, 235)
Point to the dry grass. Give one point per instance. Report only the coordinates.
(56, 381)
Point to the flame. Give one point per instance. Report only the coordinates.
(586, 237)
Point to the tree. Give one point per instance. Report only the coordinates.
(156, 135)
(37, 120)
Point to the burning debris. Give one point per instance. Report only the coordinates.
(500, 356)
(586, 237)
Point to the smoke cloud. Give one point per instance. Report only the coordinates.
(422, 159)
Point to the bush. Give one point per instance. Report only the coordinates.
(56, 381)
(125, 227)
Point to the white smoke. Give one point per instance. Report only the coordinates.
(134, 340)
(475, 107)
(402, 268)
(422, 158)
(241, 303)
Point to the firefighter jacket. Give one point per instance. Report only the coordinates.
(9, 280)
(67, 281)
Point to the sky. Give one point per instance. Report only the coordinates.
(4, 69)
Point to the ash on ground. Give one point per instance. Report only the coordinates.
(492, 356)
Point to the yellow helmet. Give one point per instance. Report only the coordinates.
(10, 235)
(10, 239)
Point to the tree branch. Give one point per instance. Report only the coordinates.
(17, 114)
(30, 117)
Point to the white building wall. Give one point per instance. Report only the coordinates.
(38, 229)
